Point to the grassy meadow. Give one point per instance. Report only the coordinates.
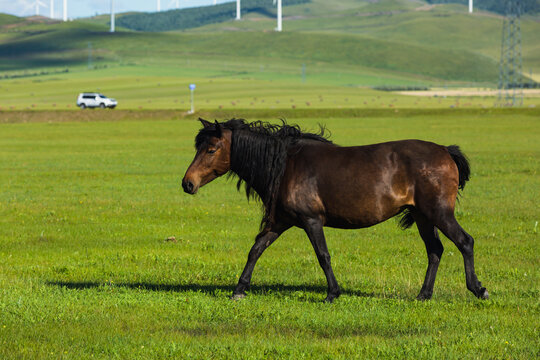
(86, 207)
(89, 198)
(159, 91)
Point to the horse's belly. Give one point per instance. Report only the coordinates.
(354, 212)
(349, 221)
(342, 223)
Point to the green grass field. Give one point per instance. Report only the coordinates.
(85, 208)
(153, 87)
(88, 198)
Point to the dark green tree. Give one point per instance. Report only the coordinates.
(498, 6)
(195, 17)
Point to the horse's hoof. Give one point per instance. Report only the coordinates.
(330, 298)
(238, 296)
(484, 295)
(423, 297)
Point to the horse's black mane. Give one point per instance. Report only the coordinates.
(259, 155)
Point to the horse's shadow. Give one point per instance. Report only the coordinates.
(213, 290)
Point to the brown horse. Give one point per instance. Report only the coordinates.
(305, 180)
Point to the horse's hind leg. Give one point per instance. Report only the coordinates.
(434, 249)
(465, 243)
(262, 242)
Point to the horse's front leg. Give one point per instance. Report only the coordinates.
(314, 230)
(262, 241)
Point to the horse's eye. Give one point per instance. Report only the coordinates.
(211, 151)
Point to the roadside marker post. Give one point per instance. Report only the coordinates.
(192, 89)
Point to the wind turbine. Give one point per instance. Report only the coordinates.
(176, 2)
(112, 16)
(51, 8)
(158, 5)
(37, 4)
(64, 16)
(470, 6)
(279, 15)
(237, 9)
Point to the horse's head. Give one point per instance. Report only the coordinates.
(213, 157)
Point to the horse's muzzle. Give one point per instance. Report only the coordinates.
(189, 187)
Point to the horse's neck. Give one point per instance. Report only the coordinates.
(254, 160)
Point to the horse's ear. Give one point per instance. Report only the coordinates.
(205, 123)
(218, 128)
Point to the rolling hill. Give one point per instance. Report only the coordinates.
(398, 41)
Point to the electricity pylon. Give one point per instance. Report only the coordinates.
(510, 66)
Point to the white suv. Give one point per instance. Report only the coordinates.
(93, 100)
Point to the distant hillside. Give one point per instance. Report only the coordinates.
(68, 45)
(498, 6)
(195, 17)
(6, 19)
(442, 26)
(406, 40)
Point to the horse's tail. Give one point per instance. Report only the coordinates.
(462, 163)
(406, 218)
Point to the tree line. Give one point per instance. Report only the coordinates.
(498, 6)
(194, 17)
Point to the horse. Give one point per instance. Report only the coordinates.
(305, 180)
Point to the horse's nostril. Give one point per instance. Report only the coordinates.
(188, 186)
